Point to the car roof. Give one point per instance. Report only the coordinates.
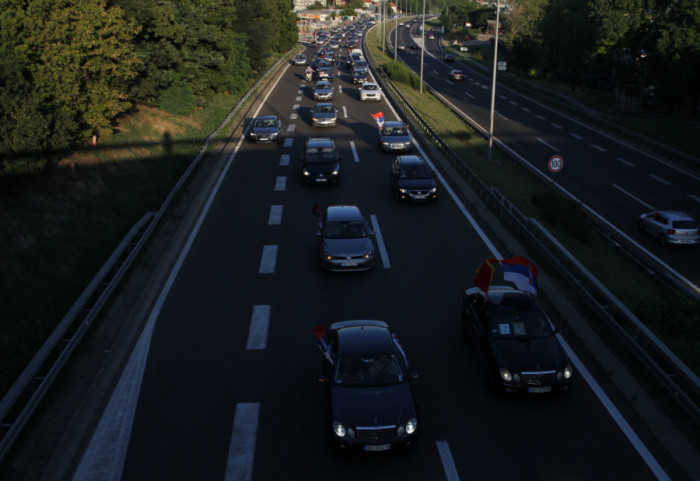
(393, 123)
(267, 117)
(343, 212)
(674, 214)
(319, 142)
(411, 160)
(363, 337)
(506, 296)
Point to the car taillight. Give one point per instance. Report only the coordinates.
(671, 231)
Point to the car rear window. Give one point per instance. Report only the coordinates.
(684, 224)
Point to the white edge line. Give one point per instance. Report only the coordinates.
(380, 242)
(448, 463)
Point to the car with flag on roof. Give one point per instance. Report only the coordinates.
(371, 397)
(394, 136)
(518, 341)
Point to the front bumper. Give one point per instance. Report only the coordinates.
(417, 195)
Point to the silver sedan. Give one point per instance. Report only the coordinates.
(670, 227)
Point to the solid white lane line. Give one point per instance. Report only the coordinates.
(659, 179)
(280, 183)
(257, 332)
(548, 145)
(241, 451)
(380, 242)
(284, 158)
(354, 151)
(275, 217)
(448, 464)
(268, 259)
(633, 197)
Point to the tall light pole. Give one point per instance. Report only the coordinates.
(493, 82)
(396, 32)
(422, 48)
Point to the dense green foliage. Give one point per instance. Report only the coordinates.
(70, 68)
(601, 43)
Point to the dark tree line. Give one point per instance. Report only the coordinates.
(69, 68)
(602, 43)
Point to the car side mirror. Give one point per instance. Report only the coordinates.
(413, 374)
(322, 378)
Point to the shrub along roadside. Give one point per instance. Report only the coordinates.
(670, 314)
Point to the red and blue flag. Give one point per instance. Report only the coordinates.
(323, 344)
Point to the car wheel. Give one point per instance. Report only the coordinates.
(662, 240)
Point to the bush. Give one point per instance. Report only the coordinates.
(399, 73)
(565, 214)
(178, 98)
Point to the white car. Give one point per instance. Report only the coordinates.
(370, 91)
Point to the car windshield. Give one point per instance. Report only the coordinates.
(369, 87)
(265, 123)
(314, 155)
(415, 172)
(345, 229)
(389, 131)
(323, 86)
(518, 323)
(368, 370)
(324, 108)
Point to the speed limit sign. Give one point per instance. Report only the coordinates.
(556, 163)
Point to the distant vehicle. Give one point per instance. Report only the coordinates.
(670, 227)
(324, 73)
(431, 36)
(456, 74)
(323, 90)
(320, 162)
(299, 59)
(267, 128)
(449, 57)
(359, 66)
(324, 115)
(372, 404)
(463, 48)
(518, 340)
(402, 46)
(370, 91)
(414, 46)
(346, 240)
(413, 180)
(395, 137)
(359, 76)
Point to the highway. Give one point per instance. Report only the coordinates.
(222, 384)
(616, 179)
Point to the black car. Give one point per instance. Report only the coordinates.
(395, 137)
(449, 57)
(267, 128)
(320, 162)
(519, 341)
(359, 76)
(413, 180)
(372, 405)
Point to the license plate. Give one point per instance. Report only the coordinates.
(397, 146)
(539, 389)
(264, 138)
(349, 264)
(379, 447)
(419, 197)
(321, 180)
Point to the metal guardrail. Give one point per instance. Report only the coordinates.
(24, 396)
(677, 378)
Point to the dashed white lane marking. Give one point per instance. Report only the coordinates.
(257, 332)
(448, 464)
(268, 260)
(275, 217)
(576, 136)
(241, 451)
(284, 158)
(659, 179)
(626, 162)
(298, 99)
(694, 197)
(354, 151)
(540, 117)
(280, 183)
(291, 127)
(633, 197)
(548, 145)
(294, 116)
(599, 148)
(555, 125)
(469, 95)
(380, 242)
(345, 112)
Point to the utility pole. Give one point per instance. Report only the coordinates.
(493, 82)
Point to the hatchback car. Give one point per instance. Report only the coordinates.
(359, 76)
(518, 340)
(370, 91)
(324, 73)
(320, 162)
(395, 137)
(456, 75)
(449, 57)
(267, 128)
(323, 90)
(670, 227)
(346, 240)
(300, 59)
(324, 115)
(413, 180)
(372, 403)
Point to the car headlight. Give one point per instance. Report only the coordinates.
(403, 190)
(339, 429)
(568, 371)
(411, 426)
(305, 172)
(433, 190)
(384, 142)
(369, 254)
(507, 376)
(335, 172)
(407, 143)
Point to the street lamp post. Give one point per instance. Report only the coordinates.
(396, 32)
(422, 48)
(493, 82)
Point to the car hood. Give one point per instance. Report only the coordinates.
(265, 130)
(417, 184)
(324, 115)
(542, 354)
(323, 90)
(373, 406)
(321, 167)
(348, 247)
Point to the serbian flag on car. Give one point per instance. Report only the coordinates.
(379, 117)
(398, 345)
(484, 274)
(521, 272)
(323, 344)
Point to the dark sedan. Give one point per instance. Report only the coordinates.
(320, 162)
(372, 403)
(395, 137)
(265, 129)
(519, 342)
(324, 115)
(413, 180)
